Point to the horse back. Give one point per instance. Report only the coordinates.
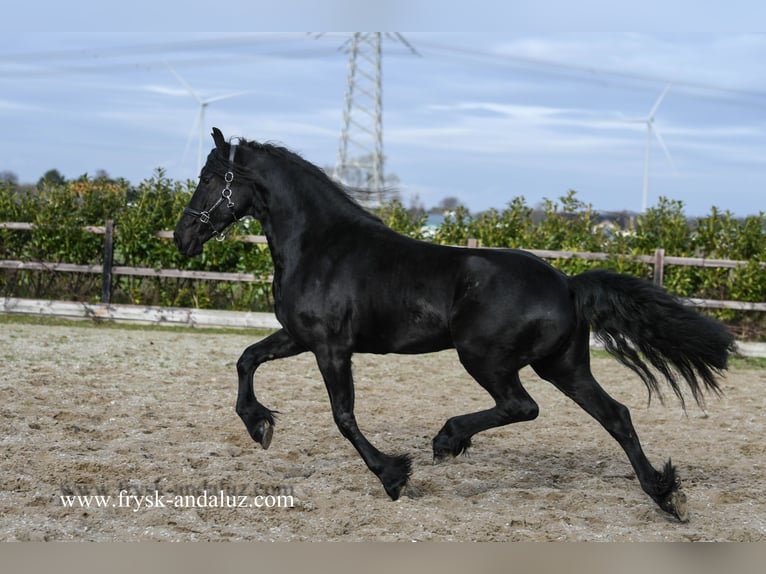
(386, 293)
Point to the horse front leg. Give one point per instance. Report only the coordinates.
(259, 420)
(393, 471)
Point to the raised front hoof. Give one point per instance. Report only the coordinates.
(675, 504)
(262, 433)
(395, 475)
(259, 422)
(445, 447)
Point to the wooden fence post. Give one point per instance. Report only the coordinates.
(106, 274)
(659, 266)
(472, 243)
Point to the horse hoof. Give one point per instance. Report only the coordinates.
(263, 433)
(678, 506)
(449, 447)
(441, 456)
(393, 492)
(675, 504)
(395, 475)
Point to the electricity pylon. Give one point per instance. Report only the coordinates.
(361, 166)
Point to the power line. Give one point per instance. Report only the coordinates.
(145, 65)
(295, 45)
(514, 60)
(217, 42)
(154, 55)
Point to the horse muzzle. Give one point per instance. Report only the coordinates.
(191, 247)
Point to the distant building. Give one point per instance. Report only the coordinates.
(433, 222)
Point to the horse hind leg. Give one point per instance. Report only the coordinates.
(572, 375)
(512, 404)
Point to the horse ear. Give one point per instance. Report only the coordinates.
(220, 142)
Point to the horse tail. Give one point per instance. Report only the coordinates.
(638, 321)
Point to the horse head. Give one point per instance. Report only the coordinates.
(223, 197)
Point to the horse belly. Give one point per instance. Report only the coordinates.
(409, 329)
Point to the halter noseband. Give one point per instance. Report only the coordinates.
(204, 216)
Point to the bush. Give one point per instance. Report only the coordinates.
(59, 211)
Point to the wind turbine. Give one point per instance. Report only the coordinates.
(652, 129)
(203, 104)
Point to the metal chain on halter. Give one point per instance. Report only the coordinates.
(229, 177)
(225, 194)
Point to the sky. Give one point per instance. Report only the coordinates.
(481, 115)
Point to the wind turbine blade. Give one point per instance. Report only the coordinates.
(642, 121)
(201, 136)
(224, 97)
(183, 83)
(189, 139)
(647, 149)
(656, 105)
(664, 148)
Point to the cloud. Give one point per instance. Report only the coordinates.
(499, 129)
(12, 106)
(540, 128)
(519, 112)
(731, 62)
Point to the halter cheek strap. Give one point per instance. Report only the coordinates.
(204, 216)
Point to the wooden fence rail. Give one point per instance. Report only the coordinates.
(658, 261)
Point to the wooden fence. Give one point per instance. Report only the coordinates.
(108, 270)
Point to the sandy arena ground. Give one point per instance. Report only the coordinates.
(96, 411)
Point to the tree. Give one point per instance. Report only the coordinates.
(417, 208)
(9, 177)
(450, 203)
(52, 177)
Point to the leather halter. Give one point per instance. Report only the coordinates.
(204, 216)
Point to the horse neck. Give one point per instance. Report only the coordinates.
(303, 208)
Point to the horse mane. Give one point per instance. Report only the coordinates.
(341, 194)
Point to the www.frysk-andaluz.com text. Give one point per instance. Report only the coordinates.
(135, 499)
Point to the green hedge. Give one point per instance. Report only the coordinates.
(59, 212)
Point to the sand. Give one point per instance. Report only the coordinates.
(145, 419)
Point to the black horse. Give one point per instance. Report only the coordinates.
(345, 283)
